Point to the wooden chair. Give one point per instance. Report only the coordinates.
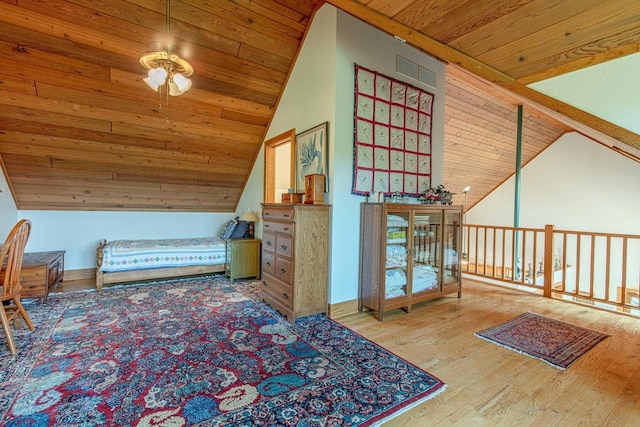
(11, 253)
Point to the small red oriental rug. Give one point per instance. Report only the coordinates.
(552, 341)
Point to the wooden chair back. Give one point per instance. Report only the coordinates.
(12, 253)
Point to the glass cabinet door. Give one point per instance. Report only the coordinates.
(452, 247)
(397, 255)
(426, 252)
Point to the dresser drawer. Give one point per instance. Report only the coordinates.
(284, 246)
(268, 242)
(278, 291)
(278, 213)
(268, 263)
(284, 270)
(285, 311)
(279, 227)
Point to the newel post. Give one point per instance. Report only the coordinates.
(548, 260)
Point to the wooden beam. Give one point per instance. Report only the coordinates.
(449, 55)
(581, 63)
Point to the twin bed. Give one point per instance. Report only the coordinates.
(121, 261)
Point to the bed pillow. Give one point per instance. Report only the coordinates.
(228, 229)
(241, 229)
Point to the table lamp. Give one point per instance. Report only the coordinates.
(250, 219)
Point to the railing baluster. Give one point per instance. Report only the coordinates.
(514, 255)
(504, 244)
(578, 262)
(476, 252)
(623, 292)
(535, 258)
(523, 258)
(593, 266)
(607, 278)
(548, 270)
(493, 254)
(484, 250)
(564, 261)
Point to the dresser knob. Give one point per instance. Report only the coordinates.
(283, 247)
(285, 295)
(268, 264)
(286, 229)
(282, 270)
(266, 226)
(268, 243)
(264, 282)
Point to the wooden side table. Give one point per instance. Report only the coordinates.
(41, 272)
(242, 258)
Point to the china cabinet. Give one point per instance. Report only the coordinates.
(408, 254)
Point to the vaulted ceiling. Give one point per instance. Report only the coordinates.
(79, 130)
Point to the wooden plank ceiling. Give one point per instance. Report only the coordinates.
(79, 130)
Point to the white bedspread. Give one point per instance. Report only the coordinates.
(127, 255)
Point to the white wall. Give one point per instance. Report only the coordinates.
(575, 184)
(610, 90)
(283, 169)
(320, 89)
(308, 99)
(361, 44)
(78, 233)
(8, 211)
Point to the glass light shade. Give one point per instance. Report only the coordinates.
(151, 84)
(157, 77)
(182, 82)
(173, 89)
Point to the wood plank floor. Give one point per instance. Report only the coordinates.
(488, 385)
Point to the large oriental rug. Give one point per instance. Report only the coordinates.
(197, 352)
(552, 341)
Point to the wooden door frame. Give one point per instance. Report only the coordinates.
(270, 163)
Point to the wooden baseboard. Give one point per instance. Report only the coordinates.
(342, 309)
(80, 274)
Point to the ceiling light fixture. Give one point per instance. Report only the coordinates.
(166, 69)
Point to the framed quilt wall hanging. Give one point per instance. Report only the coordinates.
(392, 135)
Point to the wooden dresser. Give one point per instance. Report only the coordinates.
(295, 258)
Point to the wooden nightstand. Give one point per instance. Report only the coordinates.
(41, 272)
(243, 258)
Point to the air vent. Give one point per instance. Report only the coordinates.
(411, 69)
(407, 68)
(427, 77)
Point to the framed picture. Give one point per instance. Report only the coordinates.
(311, 154)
